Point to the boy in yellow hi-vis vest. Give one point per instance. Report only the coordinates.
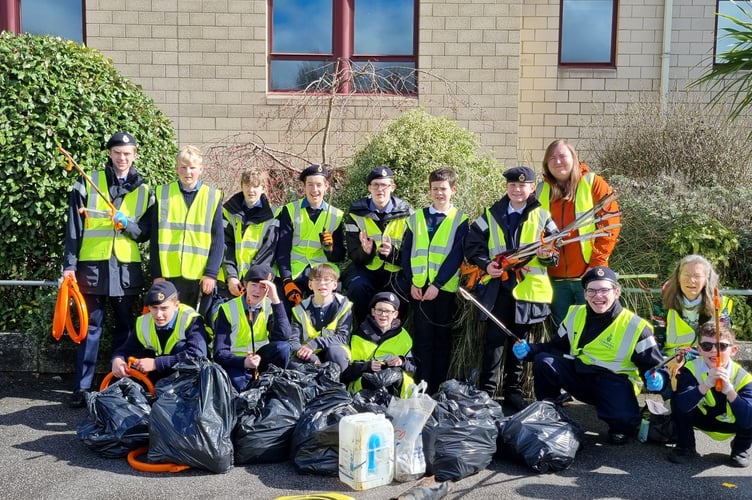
(189, 243)
(381, 350)
(698, 402)
(101, 253)
(321, 324)
(374, 227)
(310, 233)
(169, 333)
(432, 254)
(519, 296)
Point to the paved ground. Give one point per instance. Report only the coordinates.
(41, 458)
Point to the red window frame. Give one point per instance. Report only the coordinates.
(343, 46)
(10, 17)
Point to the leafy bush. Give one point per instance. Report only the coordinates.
(417, 143)
(54, 92)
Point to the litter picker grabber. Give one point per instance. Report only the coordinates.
(717, 311)
(469, 297)
(72, 163)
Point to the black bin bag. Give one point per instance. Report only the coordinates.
(315, 441)
(459, 438)
(118, 420)
(542, 436)
(266, 417)
(192, 419)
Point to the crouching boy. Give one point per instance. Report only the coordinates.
(252, 331)
(697, 402)
(381, 350)
(169, 333)
(321, 324)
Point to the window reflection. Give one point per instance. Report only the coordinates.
(373, 39)
(586, 31)
(722, 42)
(63, 18)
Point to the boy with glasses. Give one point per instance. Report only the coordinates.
(381, 350)
(321, 323)
(699, 403)
(373, 233)
(598, 356)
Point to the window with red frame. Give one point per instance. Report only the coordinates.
(366, 46)
(587, 33)
(63, 18)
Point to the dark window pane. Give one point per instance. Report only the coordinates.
(302, 26)
(61, 18)
(384, 27)
(384, 77)
(302, 75)
(586, 29)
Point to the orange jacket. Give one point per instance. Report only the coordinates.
(571, 263)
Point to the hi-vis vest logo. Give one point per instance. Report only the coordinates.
(608, 342)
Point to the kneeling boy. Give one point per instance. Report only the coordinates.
(697, 402)
(252, 331)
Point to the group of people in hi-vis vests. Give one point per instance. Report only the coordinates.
(254, 285)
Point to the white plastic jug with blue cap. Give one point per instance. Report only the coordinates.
(366, 451)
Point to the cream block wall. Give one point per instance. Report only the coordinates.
(490, 64)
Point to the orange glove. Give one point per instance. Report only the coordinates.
(327, 241)
(293, 293)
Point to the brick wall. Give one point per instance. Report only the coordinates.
(491, 65)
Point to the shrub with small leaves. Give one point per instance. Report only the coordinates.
(55, 92)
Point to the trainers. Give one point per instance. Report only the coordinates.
(739, 459)
(682, 455)
(515, 401)
(617, 438)
(77, 399)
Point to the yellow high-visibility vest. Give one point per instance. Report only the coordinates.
(363, 349)
(146, 331)
(185, 234)
(100, 239)
(240, 329)
(395, 228)
(427, 255)
(583, 201)
(306, 246)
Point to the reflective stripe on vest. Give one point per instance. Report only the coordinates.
(739, 378)
(583, 201)
(184, 233)
(535, 285)
(309, 331)
(364, 350)
(100, 238)
(240, 330)
(306, 246)
(145, 324)
(679, 333)
(248, 241)
(613, 347)
(395, 228)
(426, 256)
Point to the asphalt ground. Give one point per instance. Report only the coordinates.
(41, 458)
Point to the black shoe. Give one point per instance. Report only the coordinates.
(77, 399)
(739, 459)
(515, 401)
(617, 438)
(682, 456)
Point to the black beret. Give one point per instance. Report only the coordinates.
(160, 292)
(121, 139)
(388, 297)
(519, 174)
(599, 273)
(313, 170)
(259, 272)
(382, 172)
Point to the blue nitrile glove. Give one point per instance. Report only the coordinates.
(521, 349)
(654, 381)
(120, 218)
(691, 354)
